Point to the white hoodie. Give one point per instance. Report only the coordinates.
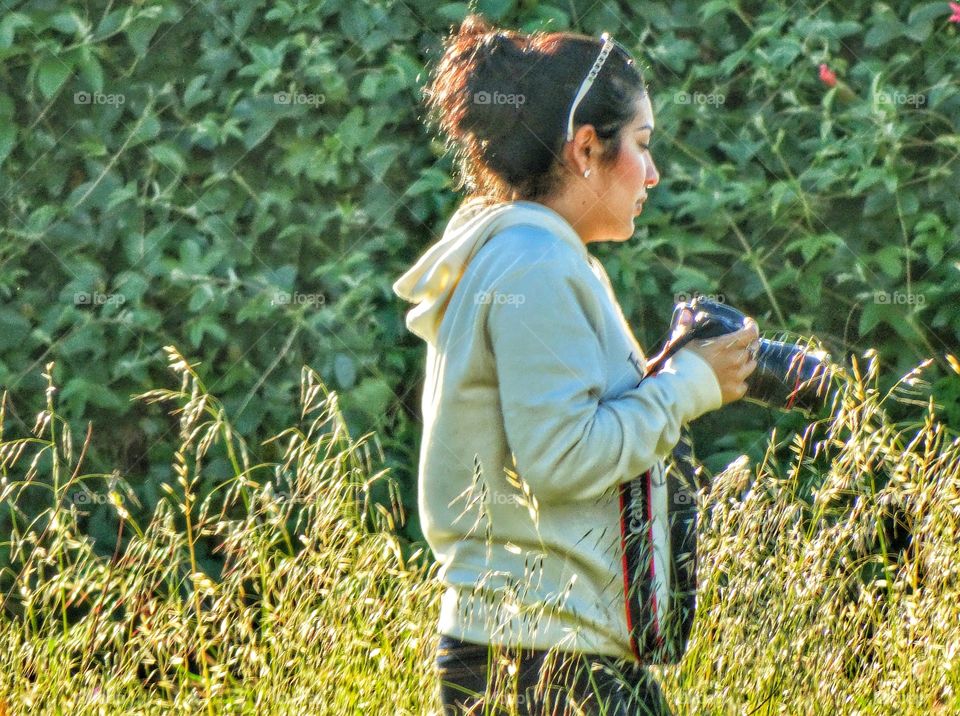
(533, 415)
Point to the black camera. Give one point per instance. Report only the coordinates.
(787, 375)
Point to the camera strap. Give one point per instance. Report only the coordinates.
(640, 573)
(648, 541)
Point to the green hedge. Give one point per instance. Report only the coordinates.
(245, 180)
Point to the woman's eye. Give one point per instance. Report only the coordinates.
(645, 147)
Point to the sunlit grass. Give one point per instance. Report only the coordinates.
(808, 602)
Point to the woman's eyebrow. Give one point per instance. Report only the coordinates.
(645, 126)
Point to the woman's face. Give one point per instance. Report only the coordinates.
(621, 187)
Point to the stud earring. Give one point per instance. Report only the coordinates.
(586, 173)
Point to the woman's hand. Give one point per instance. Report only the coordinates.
(732, 357)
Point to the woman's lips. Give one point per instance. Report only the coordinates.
(638, 206)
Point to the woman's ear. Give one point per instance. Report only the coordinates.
(583, 139)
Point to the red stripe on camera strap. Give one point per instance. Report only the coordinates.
(636, 509)
(793, 394)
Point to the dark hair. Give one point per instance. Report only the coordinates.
(501, 99)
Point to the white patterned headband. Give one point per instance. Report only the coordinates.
(605, 50)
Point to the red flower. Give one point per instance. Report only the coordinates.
(956, 12)
(827, 77)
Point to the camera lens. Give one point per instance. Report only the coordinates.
(788, 376)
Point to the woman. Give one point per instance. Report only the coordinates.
(534, 410)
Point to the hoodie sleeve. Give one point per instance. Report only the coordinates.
(570, 444)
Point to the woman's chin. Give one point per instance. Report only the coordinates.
(631, 223)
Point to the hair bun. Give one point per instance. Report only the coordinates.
(500, 98)
(474, 25)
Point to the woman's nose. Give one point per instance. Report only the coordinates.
(653, 176)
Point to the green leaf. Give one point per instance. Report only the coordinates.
(372, 397)
(195, 93)
(550, 17)
(453, 11)
(14, 328)
(874, 313)
(8, 137)
(909, 203)
(810, 246)
(92, 147)
(202, 325)
(883, 30)
(147, 130)
(350, 131)
(255, 308)
(79, 391)
(785, 52)
(380, 158)
(370, 85)
(132, 286)
(112, 22)
(689, 279)
(139, 33)
(867, 178)
(429, 181)
(407, 68)
(91, 71)
(494, 9)
(813, 26)
(127, 192)
(878, 202)
(168, 155)
(890, 260)
(782, 192)
(9, 25)
(200, 297)
(281, 277)
(344, 370)
(69, 23)
(40, 218)
(52, 72)
(921, 19)
(714, 7)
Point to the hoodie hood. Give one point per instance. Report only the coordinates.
(431, 281)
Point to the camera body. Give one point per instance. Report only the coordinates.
(787, 375)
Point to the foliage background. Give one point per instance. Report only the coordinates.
(181, 201)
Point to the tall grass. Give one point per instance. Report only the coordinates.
(829, 582)
(829, 574)
(315, 611)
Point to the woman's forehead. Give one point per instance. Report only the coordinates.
(644, 117)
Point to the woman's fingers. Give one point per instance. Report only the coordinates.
(744, 337)
(732, 357)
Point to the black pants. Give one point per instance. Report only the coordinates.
(598, 684)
